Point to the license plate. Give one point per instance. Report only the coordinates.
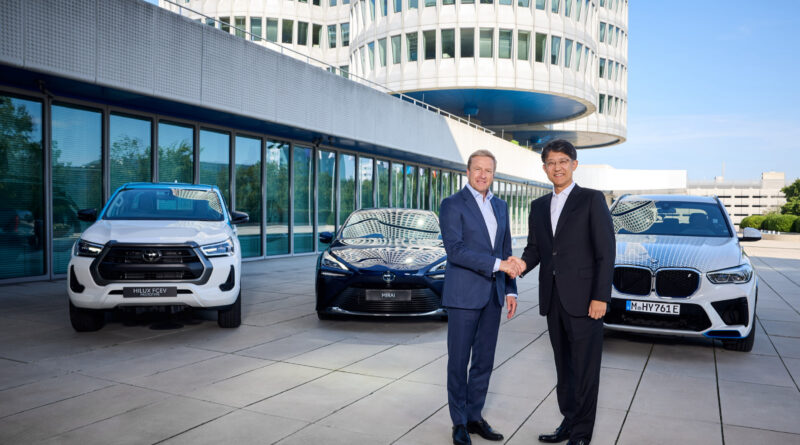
(653, 308)
(149, 292)
(388, 295)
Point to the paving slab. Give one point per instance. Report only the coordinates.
(238, 427)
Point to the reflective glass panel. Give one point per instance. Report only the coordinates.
(555, 49)
(411, 187)
(277, 176)
(215, 161)
(397, 185)
(396, 51)
(248, 193)
(411, 44)
(347, 186)
(541, 43)
(523, 45)
(382, 174)
(365, 182)
(429, 42)
(130, 153)
(272, 30)
(486, 42)
(286, 31)
(467, 42)
(448, 43)
(175, 153)
(424, 190)
(303, 188)
(326, 196)
(382, 51)
(567, 53)
(504, 43)
(331, 36)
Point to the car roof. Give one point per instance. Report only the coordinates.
(673, 198)
(161, 185)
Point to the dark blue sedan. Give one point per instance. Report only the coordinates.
(382, 262)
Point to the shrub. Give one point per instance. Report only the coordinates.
(796, 226)
(780, 223)
(754, 221)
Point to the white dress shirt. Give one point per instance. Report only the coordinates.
(557, 205)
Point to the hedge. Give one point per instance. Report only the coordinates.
(754, 221)
(796, 226)
(780, 223)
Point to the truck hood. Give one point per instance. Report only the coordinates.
(657, 251)
(157, 232)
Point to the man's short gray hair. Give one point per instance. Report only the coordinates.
(486, 153)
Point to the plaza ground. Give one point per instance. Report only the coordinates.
(285, 377)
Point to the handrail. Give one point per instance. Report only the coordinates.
(350, 75)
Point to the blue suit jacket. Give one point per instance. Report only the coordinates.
(470, 256)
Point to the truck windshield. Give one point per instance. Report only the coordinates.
(169, 203)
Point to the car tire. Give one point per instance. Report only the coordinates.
(231, 317)
(86, 320)
(325, 316)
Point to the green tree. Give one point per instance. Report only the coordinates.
(792, 192)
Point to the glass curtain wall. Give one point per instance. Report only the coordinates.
(175, 153)
(326, 193)
(347, 186)
(365, 182)
(397, 185)
(411, 187)
(424, 191)
(277, 174)
(21, 186)
(248, 193)
(130, 152)
(435, 190)
(77, 140)
(303, 189)
(215, 161)
(382, 168)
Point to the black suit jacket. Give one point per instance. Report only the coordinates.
(579, 259)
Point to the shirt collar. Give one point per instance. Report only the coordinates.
(564, 193)
(477, 195)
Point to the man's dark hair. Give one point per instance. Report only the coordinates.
(559, 146)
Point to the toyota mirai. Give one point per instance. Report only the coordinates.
(165, 245)
(680, 270)
(382, 262)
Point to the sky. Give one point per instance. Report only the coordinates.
(711, 83)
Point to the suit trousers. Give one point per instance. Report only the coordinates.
(578, 347)
(470, 331)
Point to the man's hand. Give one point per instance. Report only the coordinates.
(521, 266)
(511, 302)
(510, 267)
(597, 309)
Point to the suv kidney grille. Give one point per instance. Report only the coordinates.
(676, 282)
(632, 280)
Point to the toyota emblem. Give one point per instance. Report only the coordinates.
(151, 255)
(388, 277)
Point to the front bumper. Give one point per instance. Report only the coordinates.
(110, 295)
(698, 316)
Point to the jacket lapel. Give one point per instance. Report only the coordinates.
(476, 212)
(569, 206)
(546, 215)
(499, 216)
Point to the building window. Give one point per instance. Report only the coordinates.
(382, 176)
(215, 161)
(505, 2)
(487, 2)
(396, 50)
(602, 32)
(225, 24)
(524, 3)
(345, 34)
(424, 195)
(240, 26)
(272, 30)
(467, 2)
(302, 33)
(302, 200)
(371, 54)
(398, 6)
(255, 28)
(568, 8)
(467, 42)
(555, 4)
(541, 46)
(567, 53)
(372, 9)
(344, 71)
(287, 31)
(332, 3)
(413, 4)
(448, 43)
(22, 245)
(331, 36)
(523, 45)
(326, 193)
(602, 107)
(578, 50)
(602, 67)
(130, 151)
(397, 185)
(248, 193)
(382, 51)
(555, 49)
(277, 174)
(175, 153)
(448, 2)
(211, 22)
(316, 35)
(384, 7)
(487, 42)
(430, 3)
(77, 138)
(504, 43)
(412, 192)
(540, 4)
(429, 43)
(578, 4)
(411, 45)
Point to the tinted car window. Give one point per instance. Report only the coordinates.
(394, 224)
(679, 218)
(165, 204)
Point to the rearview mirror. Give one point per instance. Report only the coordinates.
(88, 215)
(325, 237)
(239, 217)
(750, 234)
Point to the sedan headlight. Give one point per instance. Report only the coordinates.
(224, 248)
(329, 260)
(738, 275)
(437, 271)
(85, 248)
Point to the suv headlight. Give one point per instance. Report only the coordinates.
(738, 275)
(329, 260)
(224, 248)
(85, 248)
(437, 272)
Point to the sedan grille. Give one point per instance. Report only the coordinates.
(422, 300)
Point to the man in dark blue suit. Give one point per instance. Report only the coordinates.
(479, 279)
(571, 238)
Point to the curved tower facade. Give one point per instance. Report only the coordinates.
(531, 70)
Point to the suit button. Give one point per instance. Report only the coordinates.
(555, 272)
(555, 253)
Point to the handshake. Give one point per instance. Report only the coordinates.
(513, 266)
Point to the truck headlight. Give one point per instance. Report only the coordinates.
(85, 248)
(329, 260)
(224, 248)
(738, 275)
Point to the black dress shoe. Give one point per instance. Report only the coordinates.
(559, 435)
(578, 442)
(460, 435)
(483, 429)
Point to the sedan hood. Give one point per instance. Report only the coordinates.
(658, 251)
(156, 232)
(364, 253)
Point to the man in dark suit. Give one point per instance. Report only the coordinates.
(478, 280)
(571, 238)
